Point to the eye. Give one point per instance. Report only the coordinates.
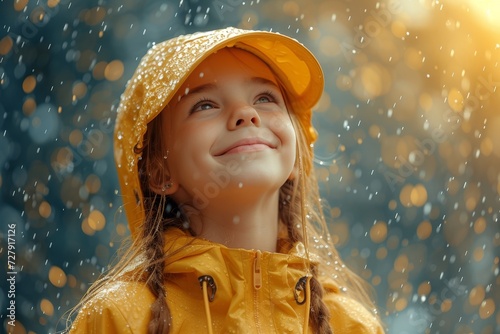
(266, 97)
(203, 104)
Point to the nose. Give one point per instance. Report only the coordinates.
(242, 116)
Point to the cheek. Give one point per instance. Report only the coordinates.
(189, 146)
(282, 126)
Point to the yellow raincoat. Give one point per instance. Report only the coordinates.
(253, 292)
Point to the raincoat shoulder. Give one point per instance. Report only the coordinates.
(123, 307)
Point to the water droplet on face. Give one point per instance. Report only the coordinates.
(240, 185)
(236, 220)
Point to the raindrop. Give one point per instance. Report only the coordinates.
(19, 70)
(200, 19)
(44, 123)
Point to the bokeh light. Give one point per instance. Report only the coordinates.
(408, 155)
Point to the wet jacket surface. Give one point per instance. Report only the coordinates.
(254, 294)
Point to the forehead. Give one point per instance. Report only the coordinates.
(228, 63)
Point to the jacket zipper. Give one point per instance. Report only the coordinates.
(257, 284)
(257, 274)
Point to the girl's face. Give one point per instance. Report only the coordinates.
(228, 131)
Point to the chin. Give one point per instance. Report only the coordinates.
(262, 179)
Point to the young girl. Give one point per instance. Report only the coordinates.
(213, 146)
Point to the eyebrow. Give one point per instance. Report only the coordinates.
(211, 86)
(263, 81)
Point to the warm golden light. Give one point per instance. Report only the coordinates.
(487, 12)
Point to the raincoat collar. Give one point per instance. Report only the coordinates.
(241, 289)
(180, 245)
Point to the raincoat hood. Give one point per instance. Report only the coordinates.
(167, 65)
(215, 289)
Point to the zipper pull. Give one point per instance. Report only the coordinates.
(257, 273)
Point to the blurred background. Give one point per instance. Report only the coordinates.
(408, 155)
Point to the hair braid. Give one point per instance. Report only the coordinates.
(319, 314)
(154, 226)
(160, 313)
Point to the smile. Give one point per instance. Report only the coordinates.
(247, 145)
(248, 148)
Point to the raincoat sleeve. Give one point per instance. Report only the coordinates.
(346, 314)
(120, 310)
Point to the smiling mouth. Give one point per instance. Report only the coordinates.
(247, 145)
(247, 148)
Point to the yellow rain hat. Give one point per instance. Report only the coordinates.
(168, 64)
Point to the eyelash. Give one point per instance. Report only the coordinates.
(269, 94)
(201, 101)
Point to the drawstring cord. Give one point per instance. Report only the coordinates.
(207, 307)
(207, 281)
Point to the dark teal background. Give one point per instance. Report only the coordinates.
(408, 155)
